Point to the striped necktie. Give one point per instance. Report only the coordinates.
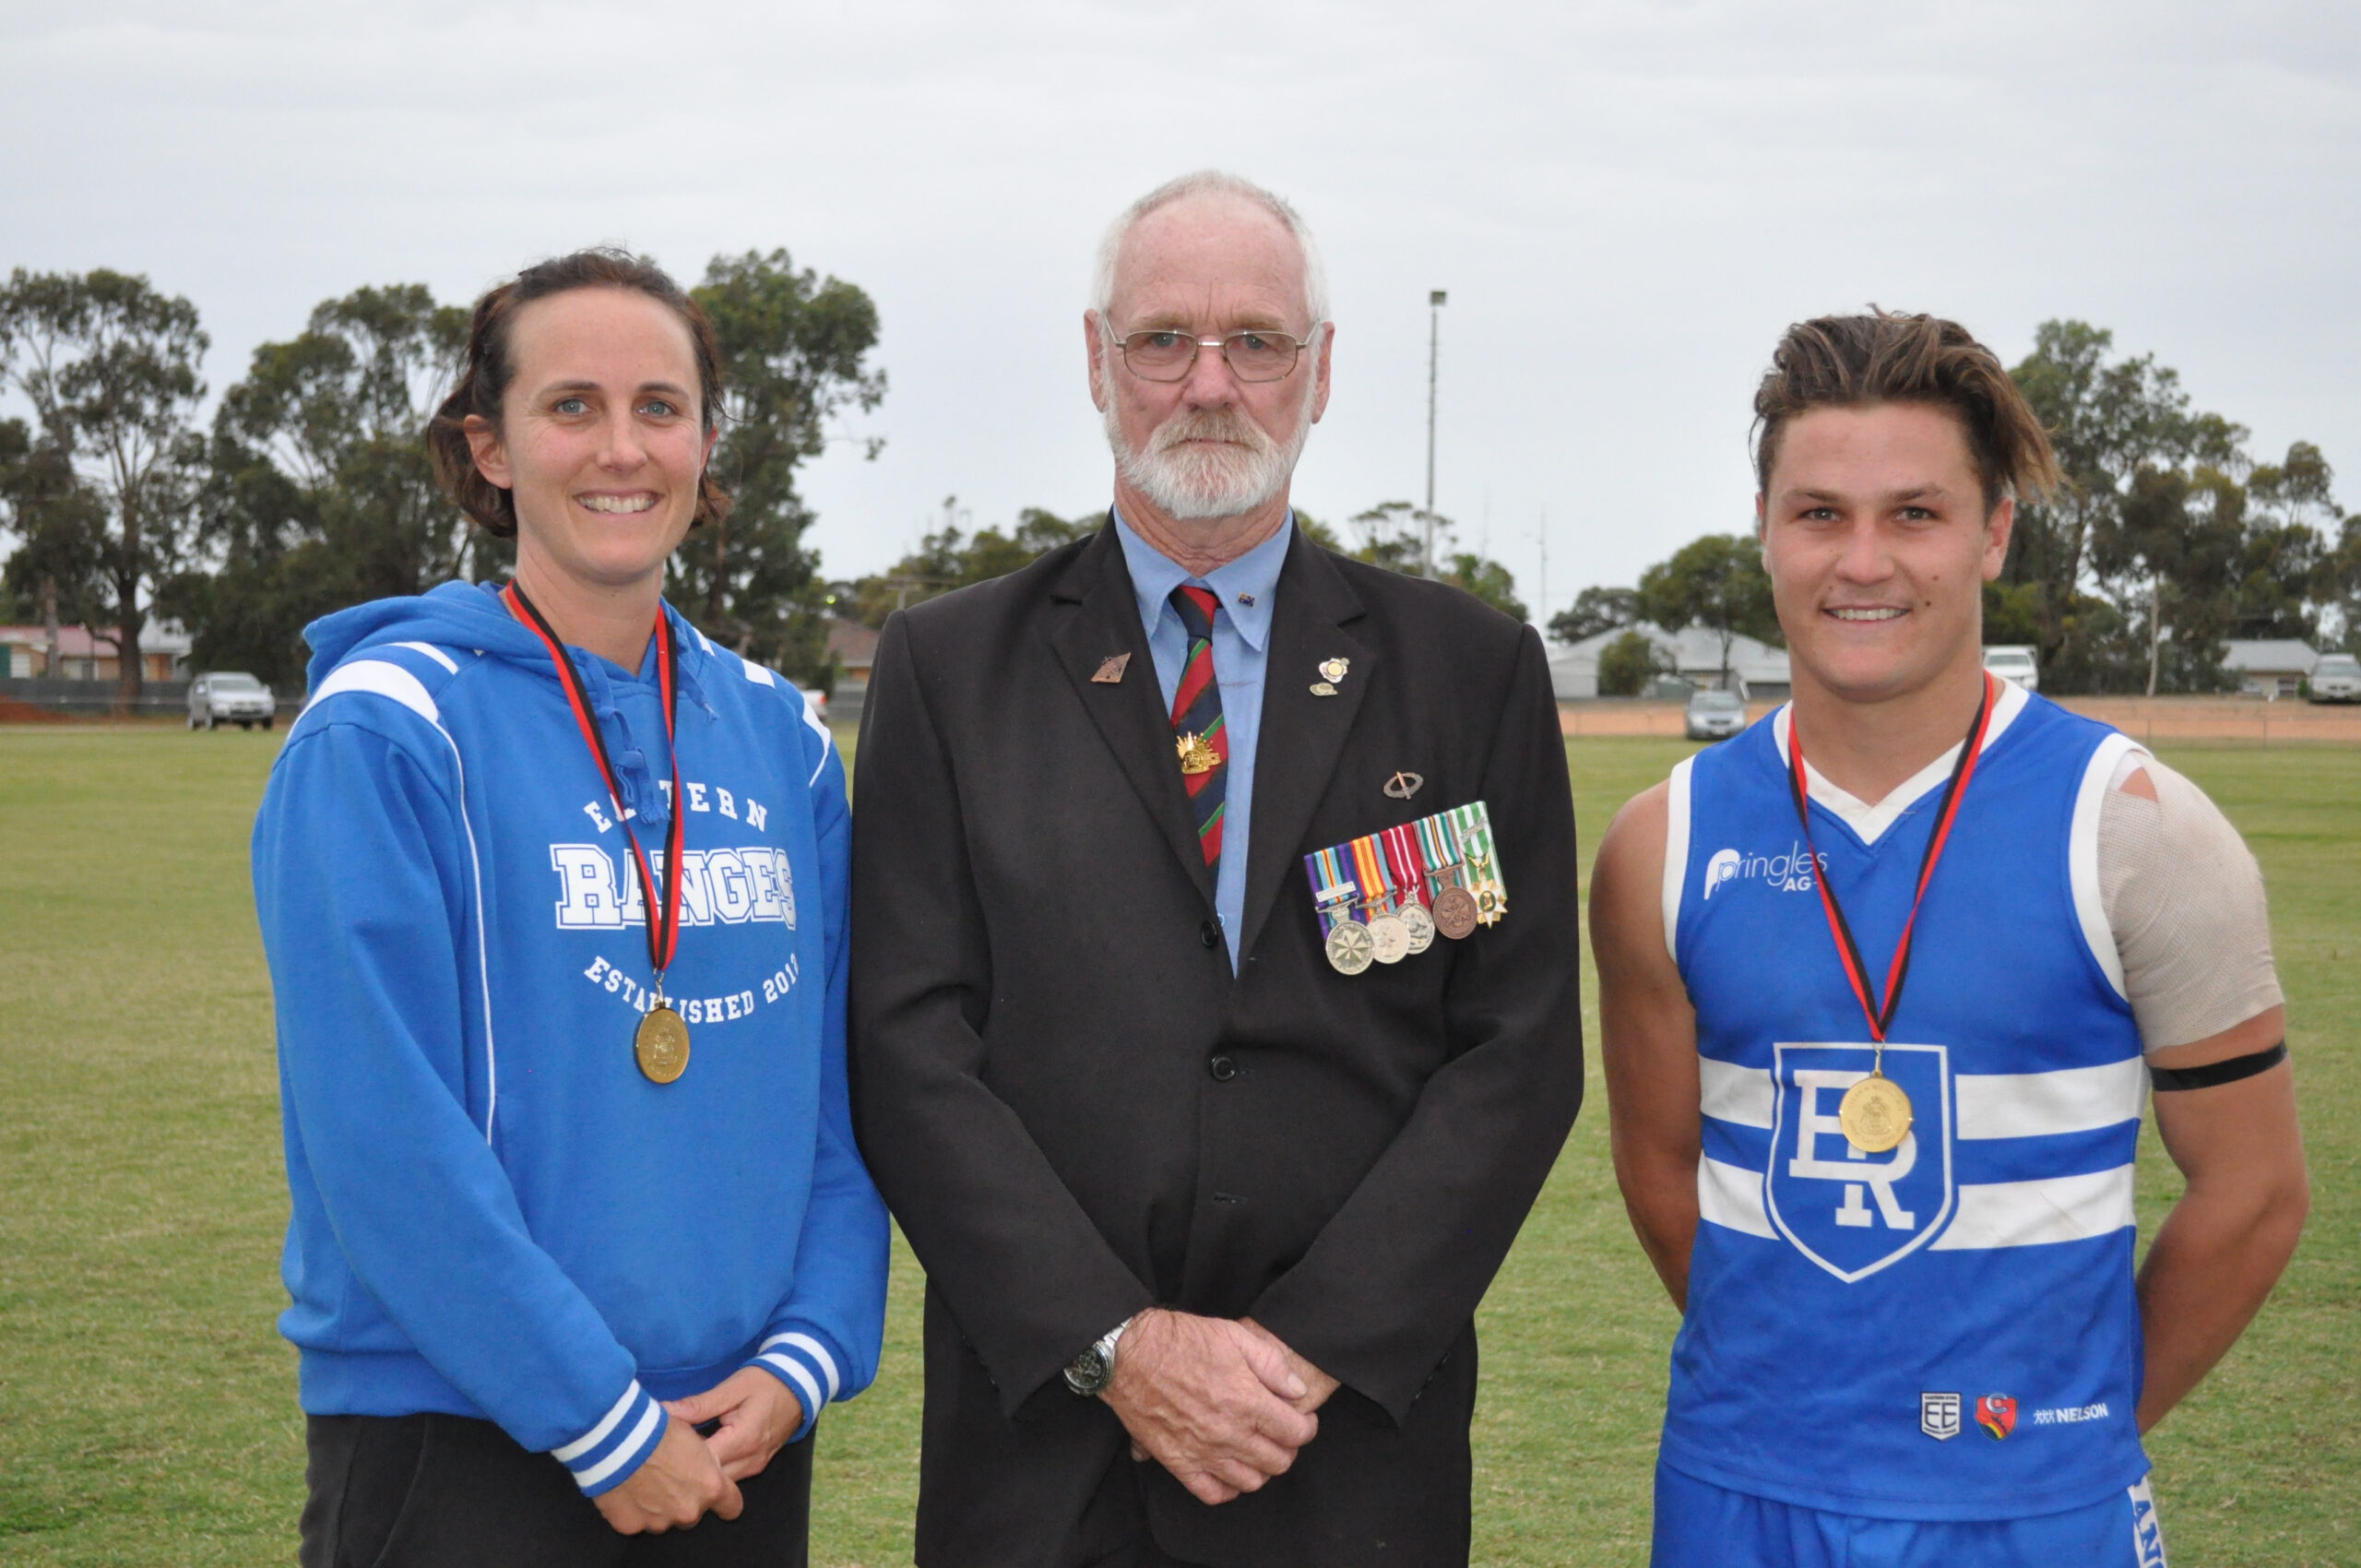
(1200, 739)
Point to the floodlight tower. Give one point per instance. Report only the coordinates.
(1434, 340)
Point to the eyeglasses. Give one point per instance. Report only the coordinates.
(1166, 353)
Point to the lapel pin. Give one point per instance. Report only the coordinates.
(1110, 669)
(1334, 669)
(1322, 689)
(1401, 786)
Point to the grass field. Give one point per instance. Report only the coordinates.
(146, 1408)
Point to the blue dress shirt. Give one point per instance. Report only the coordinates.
(1246, 588)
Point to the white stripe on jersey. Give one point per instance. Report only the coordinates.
(1731, 1093)
(2033, 1105)
(2033, 1214)
(1991, 1105)
(1731, 1198)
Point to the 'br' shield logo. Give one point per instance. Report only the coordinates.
(1850, 1212)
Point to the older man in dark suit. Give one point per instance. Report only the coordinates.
(1204, 1217)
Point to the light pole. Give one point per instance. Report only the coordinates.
(1434, 340)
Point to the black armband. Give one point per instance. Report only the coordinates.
(2215, 1073)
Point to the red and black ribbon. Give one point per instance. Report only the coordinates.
(1848, 952)
(664, 915)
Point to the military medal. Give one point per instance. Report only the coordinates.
(1389, 938)
(1409, 872)
(1455, 906)
(1473, 824)
(1333, 890)
(1875, 1112)
(661, 1042)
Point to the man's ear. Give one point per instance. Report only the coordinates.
(490, 453)
(1998, 527)
(1093, 349)
(1320, 370)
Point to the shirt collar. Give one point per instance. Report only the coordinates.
(1246, 587)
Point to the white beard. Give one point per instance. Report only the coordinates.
(1190, 482)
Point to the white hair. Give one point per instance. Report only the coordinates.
(1212, 182)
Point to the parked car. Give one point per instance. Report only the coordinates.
(2015, 662)
(229, 696)
(2336, 678)
(816, 700)
(1715, 716)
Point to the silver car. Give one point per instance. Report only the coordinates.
(1715, 716)
(229, 696)
(2336, 678)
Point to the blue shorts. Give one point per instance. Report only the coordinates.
(1703, 1526)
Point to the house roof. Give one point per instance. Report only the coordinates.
(1694, 650)
(2268, 654)
(85, 642)
(851, 643)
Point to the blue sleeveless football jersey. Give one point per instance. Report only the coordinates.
(1947, 1330)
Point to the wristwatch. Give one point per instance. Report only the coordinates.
(1089, 1374)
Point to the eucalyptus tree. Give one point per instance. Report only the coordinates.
(110, 366)
(795, 348)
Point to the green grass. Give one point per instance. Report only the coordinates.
(147, 1409)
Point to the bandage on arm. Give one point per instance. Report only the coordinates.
(2185, 901)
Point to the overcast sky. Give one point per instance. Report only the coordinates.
(1627, 201)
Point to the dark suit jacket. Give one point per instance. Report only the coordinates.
(1076, 1111)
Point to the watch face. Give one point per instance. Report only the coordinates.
(1090, 1371)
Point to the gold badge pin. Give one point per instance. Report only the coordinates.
(1195, 755)
(1322, 689)
(1110, 669)
(1334, 669)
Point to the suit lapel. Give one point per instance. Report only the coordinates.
(1102, 618)
(1302, 733)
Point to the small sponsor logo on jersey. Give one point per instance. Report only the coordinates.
(1790, 871)
(1996, 1414)
(1938, 1416)
(2066, 1415)
(1851, 1212)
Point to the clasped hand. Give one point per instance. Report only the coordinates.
(689, 1476)
(1223, 1405)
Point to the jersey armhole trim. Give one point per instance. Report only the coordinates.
(2082, 854)
(1676, 854)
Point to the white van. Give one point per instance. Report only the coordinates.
(2015, 661)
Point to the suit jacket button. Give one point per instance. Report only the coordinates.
(1210, 934)
(1223, 1068)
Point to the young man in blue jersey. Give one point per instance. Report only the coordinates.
(1885, 984)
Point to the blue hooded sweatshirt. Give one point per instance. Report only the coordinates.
(495, 1214)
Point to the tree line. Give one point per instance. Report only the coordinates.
(309, 488)
(1390, 534)
(2168, 538)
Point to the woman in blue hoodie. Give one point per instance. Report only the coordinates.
(553, 891)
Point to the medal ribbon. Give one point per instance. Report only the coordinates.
(663, 915)
(1473, 825)
(1440, 844)
(1371, 874)
(1848, 952)
(1331, 888)
(1409, 866)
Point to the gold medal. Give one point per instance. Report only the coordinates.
(1455, 913)
(1389, 938)
(1419, 924)
(1875, 1114)
(1350, 948)
(661, 1044)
